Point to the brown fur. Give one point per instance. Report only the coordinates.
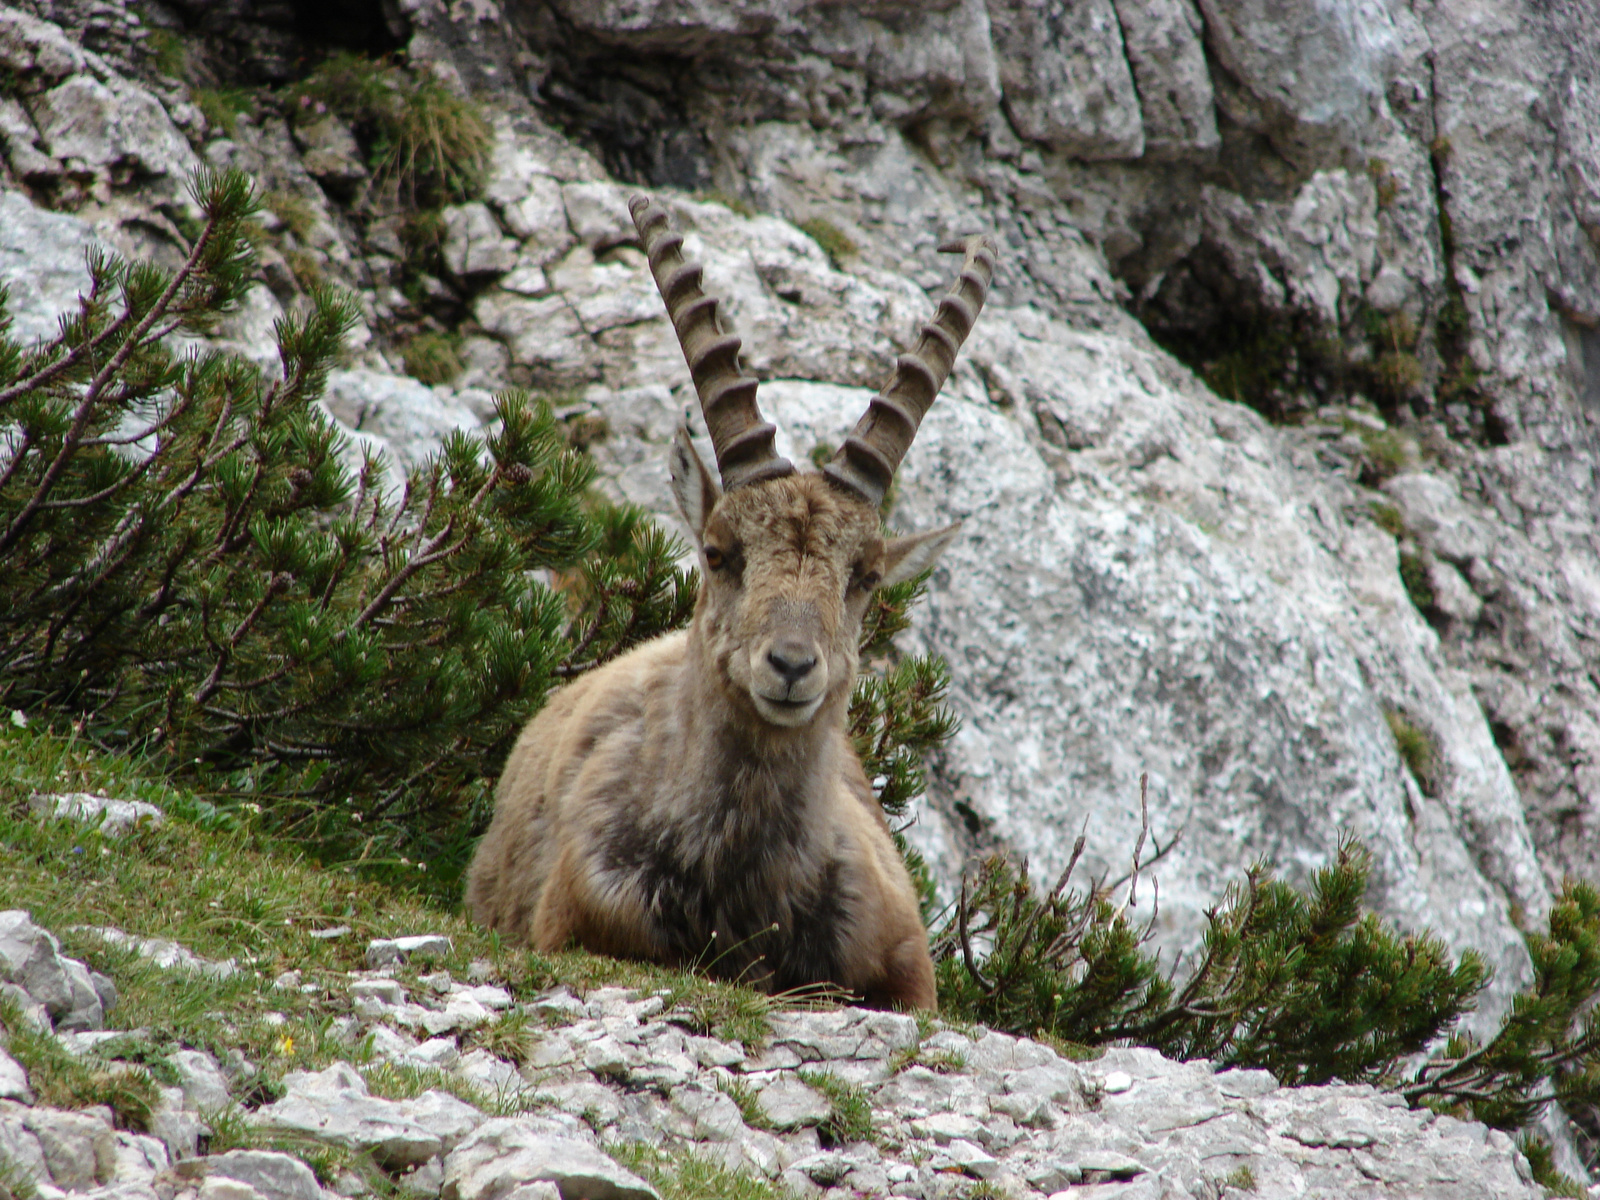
(680, 802)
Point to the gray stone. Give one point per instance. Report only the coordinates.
(1065, 76)
(331, 153)
(178, 1127)
(715, 1116)
(80, 1151)
(409, 419)
(218, 1187)
(423, 1180)
(111, 124)
(275, 1176)
(166, 954)
(495, 1077)
(13, 1080)
(1166, 55)
(112, 817)
(474, 244)
(31, 959)
(333, 1106)
(508, 1152)
(787, 1103)
(441, 1054)
(205, 1088)
(598, 214)
(139, 1158)
(972, 1159)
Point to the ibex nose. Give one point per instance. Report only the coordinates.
(793, 661)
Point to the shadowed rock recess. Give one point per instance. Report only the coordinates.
(1277, 435)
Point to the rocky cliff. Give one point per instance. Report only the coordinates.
(1274, 448)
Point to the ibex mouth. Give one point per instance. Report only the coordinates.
(786, 712)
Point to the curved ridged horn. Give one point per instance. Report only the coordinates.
(742, 440)
(866, 463)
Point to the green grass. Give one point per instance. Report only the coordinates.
(1387, 517)
(1417, 748)
(1414, 575)
(732, 203)
(16, 1183)
(296, 213)
(1386, 452)
(1542, 1161)
(835, 242)
(851, 1117)
(432, 357)
(742, 1094)
(1242, 1178)
(213, 879)
(690, 1176)
(423, 142)
(61, 1080)
(222, 107)
(166, 50)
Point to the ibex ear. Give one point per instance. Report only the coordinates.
(692, 486)
(907, 557)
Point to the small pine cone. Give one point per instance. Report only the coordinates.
(516, 473)
(299, 478)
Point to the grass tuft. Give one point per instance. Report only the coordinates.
(1414, 575)
(835, 242)
(1542, 1161)
(1387, 518)
(691, 1176)
(222, 107)
(424, 143)
(1417, 748)
(742, 1094)
(61, 1080)
(432, 357)
(851, 1118)
(1242, 1178)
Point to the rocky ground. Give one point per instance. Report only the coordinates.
(835, 1103)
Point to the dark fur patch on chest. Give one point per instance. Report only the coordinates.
(718, 912)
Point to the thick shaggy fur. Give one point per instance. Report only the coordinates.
(697, 801)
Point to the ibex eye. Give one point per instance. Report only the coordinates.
(714, 558)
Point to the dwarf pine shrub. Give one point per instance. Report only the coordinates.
(1300, 983)
(198, 567)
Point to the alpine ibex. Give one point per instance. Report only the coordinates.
(698, 799)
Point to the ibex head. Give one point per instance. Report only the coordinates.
(789, 559)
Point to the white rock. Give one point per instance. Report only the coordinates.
(598, 214)
(112, 817)
(441, 1054)
(508, 1152)
(139, 1158)
(473, 242)
(787, 1103)
(219, 1187)
(168, 955)
(275, 1176)
(205, 1088)
(13, 1080)
(1116, 1082)
(333, 1106)
(179, 1128)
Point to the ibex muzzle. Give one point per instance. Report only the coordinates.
(698, 800)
